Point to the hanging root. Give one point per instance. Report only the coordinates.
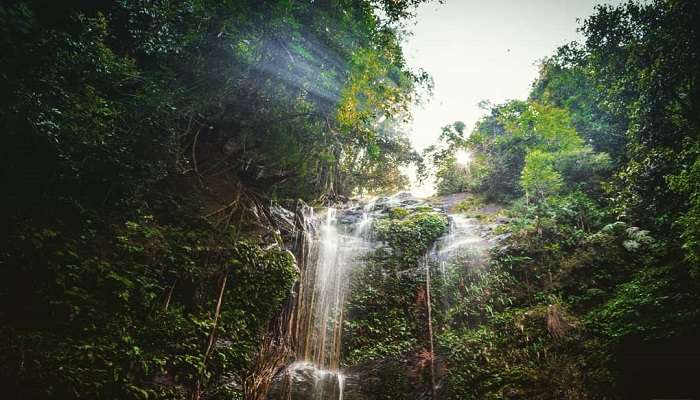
(278, 346)
(274, 353)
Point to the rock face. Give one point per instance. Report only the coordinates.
(354, 212)
(400, 376)
(382, 378)
(403, 200)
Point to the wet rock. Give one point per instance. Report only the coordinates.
(350, 216)
(282, 218)
(373, 379)
(304, 381)
(402, 200)
(389, 377)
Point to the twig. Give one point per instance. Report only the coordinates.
(194, 150)
(197, 391)
(212, 334)
(170, 295)
(222, 209)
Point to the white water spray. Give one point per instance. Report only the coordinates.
(331, 256)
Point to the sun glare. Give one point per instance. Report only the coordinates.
(463, 157)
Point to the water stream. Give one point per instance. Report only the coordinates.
(463, 244)
(341, 239)
(463, 235)
(332, 254)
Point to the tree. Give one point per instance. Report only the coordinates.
(143, 143)
(515, 131)
(644, 58)
(442, 164)
(539, 178)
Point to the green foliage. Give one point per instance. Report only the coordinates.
(468, 204)
(132, 320)
(386, 309)
(602, 250)
(410, 236)
(584, 170)
(521, 328)
(566, 80)
(643, 58)
(533, 148)
(264, 95)
(560, 296)
(539, 178)
(440, 161)
(688, 182)
(124, 123)
(380, 321)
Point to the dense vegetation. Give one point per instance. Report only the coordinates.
(386, 324)
(595, 293)
(149, 148)
(382, 318)
(142, 145)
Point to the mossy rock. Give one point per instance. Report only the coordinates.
(410, 234)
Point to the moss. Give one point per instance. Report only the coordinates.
(398, 213)
(411, 235)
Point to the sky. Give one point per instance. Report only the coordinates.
(483, 50)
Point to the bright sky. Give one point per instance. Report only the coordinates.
(484, 50)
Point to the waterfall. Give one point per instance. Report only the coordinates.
(464, 246)
(341, 385)
(331, 255)
(462, 235)
(332, 247)
(462, 242)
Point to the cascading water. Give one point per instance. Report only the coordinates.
(341, 386)
(333, 248)
(463, 245)
(330, 257)
(462, 241)
(463, 234)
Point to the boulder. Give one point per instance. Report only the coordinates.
(304, 381)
